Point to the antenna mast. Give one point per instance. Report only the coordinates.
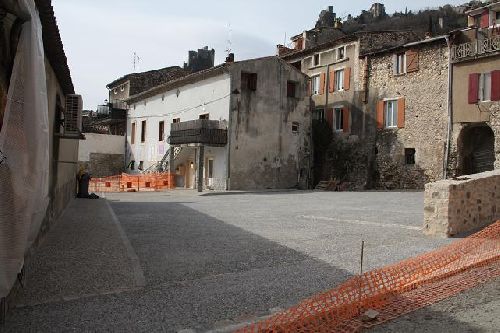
(135, 62)
(228, 41)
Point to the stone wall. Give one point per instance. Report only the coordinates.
(425, 94)
(103, 165)
(454, 207)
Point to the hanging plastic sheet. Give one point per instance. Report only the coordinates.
(24, 143)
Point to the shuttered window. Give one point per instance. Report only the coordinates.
(473, 95)
(495, 85)
(132, 134)
(411, 61)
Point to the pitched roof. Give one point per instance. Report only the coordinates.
(351, 37)
(146, 80)
(53, 45)
(198, 76)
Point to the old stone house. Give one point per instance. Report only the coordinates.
(338, 87)
(408, 97)
(239, 125)
(475, 134)
(38, 151)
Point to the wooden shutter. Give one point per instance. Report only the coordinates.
(345, 120)
(485, 19)
(495, 85)
(474, 88)
(329, 117)
(380, 114)
(411, 61)
(347, 78)
(401, 113)
(132, 134)
(331, 81)
(309, 88)
(322, 83)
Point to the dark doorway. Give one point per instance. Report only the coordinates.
(476, 150)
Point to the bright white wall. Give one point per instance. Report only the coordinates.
(102, 144)
(208, 96)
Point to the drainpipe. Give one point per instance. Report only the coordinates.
(450, 110)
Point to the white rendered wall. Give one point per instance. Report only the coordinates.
(187, 103)
(101, 144)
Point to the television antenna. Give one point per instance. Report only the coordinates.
(135, 62)
(229, 43)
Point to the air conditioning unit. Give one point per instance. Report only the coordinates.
(73, 115)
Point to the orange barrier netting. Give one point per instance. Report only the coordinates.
(133, 183)
(396, 289)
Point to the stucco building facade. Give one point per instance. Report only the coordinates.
(239, 125)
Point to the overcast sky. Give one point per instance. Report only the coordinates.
(101, 36)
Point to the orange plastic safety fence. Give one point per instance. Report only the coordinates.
(133, 183)
(396, 289)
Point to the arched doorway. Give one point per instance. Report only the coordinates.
(476, 149)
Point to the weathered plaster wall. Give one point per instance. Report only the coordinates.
(425, 127)
(63, 167)
(187, 103)
(264, 152)
(453, 207)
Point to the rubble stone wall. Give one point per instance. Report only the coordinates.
(426, 118)
(453, 207)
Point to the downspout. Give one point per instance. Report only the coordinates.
(229, 131)
(450, 110)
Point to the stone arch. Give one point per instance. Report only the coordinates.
(476, 149)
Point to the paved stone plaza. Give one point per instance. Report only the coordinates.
(178, 260)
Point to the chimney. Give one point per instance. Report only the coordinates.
(338, 24)
(230, 58)
(330, 9)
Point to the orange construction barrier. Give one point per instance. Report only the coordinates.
(394, 290)
(133, 183)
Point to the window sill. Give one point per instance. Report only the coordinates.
(339, 61)
(315, 67)
(399, 74)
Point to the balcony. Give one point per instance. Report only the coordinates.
(200, 131)
(476, 48)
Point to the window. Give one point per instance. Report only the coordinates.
(485, 87)
(161, 131)
(400, 63)
(497, 17)
(176, 120)
(339, 119)
(143, 131)
(204, 116)
(132, 134)
(341, 53)
(210, 168)
(319, 114)
(477, 20)
(141, 165)
(248, 81)
(315, 85)
(339, 80)
(115, 91)
(295, 127)
(122, 88)
(410, 156)
(391, 113)
(316, 60)
(291, 89)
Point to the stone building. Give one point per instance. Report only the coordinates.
(38, 155)
(240, 125)
(338, 87)
(200, 60)
(408, 99)
(475, 138)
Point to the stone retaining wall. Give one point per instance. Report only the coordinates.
(453, 207)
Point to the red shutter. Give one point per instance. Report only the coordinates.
(347, 78)
(495, 85)
(329, 117)
(331, 81)
(322, 83)
(345, 120)
(401, 113)
(474, 88)
(309, 88)
(380, 114)
(485, 19)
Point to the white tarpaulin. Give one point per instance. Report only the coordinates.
(24, 141)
